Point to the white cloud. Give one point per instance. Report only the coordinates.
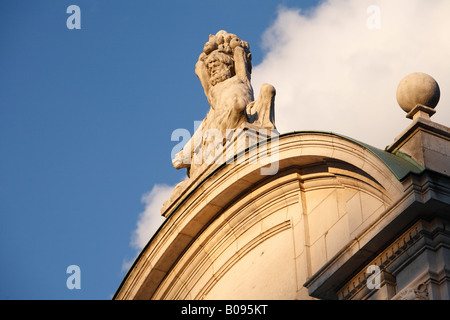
(333, 73)
(126, 264)
(149, 220)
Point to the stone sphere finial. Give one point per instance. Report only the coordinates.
(417, 89)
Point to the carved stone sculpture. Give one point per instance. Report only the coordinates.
(224, 69)
(418, 293)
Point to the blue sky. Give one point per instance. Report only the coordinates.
(86, 118)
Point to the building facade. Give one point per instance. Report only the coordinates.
(332, 218)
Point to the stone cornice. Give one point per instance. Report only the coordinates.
(426, 195)
(383, 260)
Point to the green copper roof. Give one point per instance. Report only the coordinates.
(399, 164)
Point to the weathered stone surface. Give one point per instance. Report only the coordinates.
(417, 89)
(235, 120)
(303, 213)
(224, 69)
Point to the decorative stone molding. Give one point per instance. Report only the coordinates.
(418, 293)
(383, 260)
(421, 243)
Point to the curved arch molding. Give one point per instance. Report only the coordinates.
(238, 234)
